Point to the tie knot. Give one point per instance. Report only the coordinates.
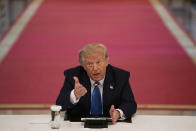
(97, 83)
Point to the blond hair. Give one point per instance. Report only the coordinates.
(91, 49)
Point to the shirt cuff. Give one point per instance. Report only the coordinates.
(122, 115)
(73, 97)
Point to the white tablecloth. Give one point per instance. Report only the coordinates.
(140, 123)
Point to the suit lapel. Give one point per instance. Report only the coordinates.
(107, 91)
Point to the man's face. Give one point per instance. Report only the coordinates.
(95, 66)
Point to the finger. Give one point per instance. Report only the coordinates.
(85, 91)
(80, 87)
(115, 116)
(114, 119)
(76, 93)
(82, 90)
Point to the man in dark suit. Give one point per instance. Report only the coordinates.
(96, 87)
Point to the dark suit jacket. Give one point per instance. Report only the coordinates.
(120, 95)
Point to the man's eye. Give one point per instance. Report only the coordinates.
(89, 64)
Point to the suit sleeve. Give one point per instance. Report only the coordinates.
(64, 95)
(128, 104)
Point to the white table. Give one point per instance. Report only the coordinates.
(140, 123)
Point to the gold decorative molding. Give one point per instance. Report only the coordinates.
(140, 106)
(24, 106)
(166, 106)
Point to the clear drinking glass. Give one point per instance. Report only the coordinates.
(56, 118)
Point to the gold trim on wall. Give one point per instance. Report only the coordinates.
(166, 106)
(140, 106)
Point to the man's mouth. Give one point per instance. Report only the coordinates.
(96, 74)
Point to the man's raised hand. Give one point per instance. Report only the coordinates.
(79, 89)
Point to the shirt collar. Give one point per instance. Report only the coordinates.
(101, 82)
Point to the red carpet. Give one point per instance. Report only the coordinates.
(136, 38)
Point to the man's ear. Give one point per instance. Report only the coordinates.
(107, 61)
(82, 64)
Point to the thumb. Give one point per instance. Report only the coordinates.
(76, 80)
(112, 107)
(111, 110)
